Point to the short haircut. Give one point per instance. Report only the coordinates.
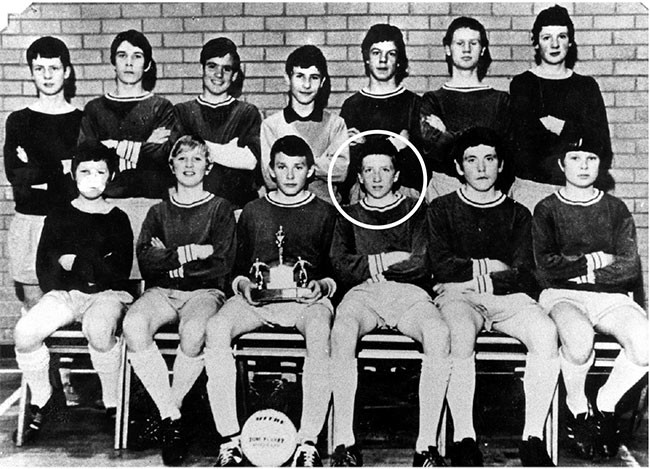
(292, 145)
(386, 32)
(378, 145)
(220, 47)
(48, 47)
(94, 151)
(485, 58)
(305, 57)
(189, 143)
(137, 39)
(555, 16)
(475, 136)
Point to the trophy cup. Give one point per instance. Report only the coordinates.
(279, 282)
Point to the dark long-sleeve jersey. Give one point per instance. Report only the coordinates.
(179, 226)
(569, 236)
(464, 236)
(220, 123)
(101, 242)
(396, 111)
(577, 101)
(133, 120)
(460, 109)
(47, 139)
(358, 253)
(307, 227)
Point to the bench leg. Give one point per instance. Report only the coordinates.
(22, 411)
(122, 396)
(330, 428)
(442, 434)
(126, 403)
(551, 429)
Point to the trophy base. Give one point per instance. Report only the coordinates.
(276, 295)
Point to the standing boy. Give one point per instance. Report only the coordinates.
(294, 220)
(551, 107)
(481, 257)
(230, 128)
(386, 271)
(463, 102)
(305, 116)
(385, 105)
(185, 251)
(587, 259)
(84, 274)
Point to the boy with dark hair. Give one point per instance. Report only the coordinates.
(230, 127)
(295, 222)
(481, 256)
(39, 143)
(587, 261)
(384, 105)
(305, 116)
(186, 252)
(84, 274)
(551, 107)
(385, 270)
(461, 103)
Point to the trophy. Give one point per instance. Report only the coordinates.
(279, 282)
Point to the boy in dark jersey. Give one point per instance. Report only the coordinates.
(385, 270)
(186, 252)
(463, 102)
(40, 141)
(84, 274)
(302, 224)
(587, 259)
(230, 128)
(481, 257)
(551, 107)
(385, 105)
(305, 116)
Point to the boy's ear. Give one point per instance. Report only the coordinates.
(272, 171)
(311, 171)
(500, 168)
(67, 72)
(448, 51)
(459, 170)
(395, 177)
(287, 79)
(560, 163)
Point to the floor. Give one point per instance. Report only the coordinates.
(384, 425)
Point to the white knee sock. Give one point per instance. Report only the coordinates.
(36, 371)
(460, 396)
(624, 375)
(107, 365)
(152, 370)
(316, 392)
(574, 377)
(344, 379)
(434, 379)
(540, 380)
(186, 371)
(222, 389)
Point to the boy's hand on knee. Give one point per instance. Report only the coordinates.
(245, 287)
(66, 261)
(315, 294)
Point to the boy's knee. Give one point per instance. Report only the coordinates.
(100, 335)
(192, 337)
(136, 330)
(218, 331)
(25, 335)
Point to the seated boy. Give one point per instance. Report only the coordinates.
(481, 258)
(587, 259)
(386, 269)
(84, 273)
(185, 250)
(295, 221)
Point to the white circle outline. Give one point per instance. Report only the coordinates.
(351, 219)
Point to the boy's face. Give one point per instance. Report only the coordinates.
(129, 63)
(190, 167)
(553, 44)
(480, 167)
(218, 75)
(465, 49)
(382, 61)
(49, 75)
(291, 173)
(580, 168)
(378, 175)
(305, 83)
(91, 178)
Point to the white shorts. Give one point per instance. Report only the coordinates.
(79, 303)
(387, 300)
(594, 305)
(22, 244)
(284, 314)
(529, 193)
(493, 308)
(205, 301)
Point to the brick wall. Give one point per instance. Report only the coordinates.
(612, 38)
